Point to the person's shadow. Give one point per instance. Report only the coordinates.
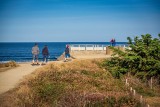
(35, 64)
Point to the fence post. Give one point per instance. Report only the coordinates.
(126, 82)
(141, 99)
(151, 83)
(70, 46)
(79, 47)
(102, 47)
(134, 92)
(131, 89)
(93, 47)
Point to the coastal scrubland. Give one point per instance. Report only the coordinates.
(95, 82)
(79, 83)
(140, 60)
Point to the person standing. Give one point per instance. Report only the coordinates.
(45, 54)
(114, 42)
(35, 53)
(111, 42)
(67, 52)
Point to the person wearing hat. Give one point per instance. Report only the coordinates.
(35, 53)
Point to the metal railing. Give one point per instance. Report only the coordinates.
(90, 47)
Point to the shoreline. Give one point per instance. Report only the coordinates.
(74, 55)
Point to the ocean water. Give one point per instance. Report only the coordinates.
(21, 51)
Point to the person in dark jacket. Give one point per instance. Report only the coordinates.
(67, 53)
(45, 54)
(112, 42)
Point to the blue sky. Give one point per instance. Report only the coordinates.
(77, 20)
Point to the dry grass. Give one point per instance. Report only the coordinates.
(151, 96)
(80, 83)
(154, 101)
(7, 66)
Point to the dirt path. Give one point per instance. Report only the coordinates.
(9, 79)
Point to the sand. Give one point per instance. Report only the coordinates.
(89, 54)
(10, 78)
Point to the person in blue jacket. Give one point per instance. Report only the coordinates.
(67, 52)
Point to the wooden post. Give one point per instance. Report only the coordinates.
(151, 83)
(126, 82)
(134, 92)
(108, 51)
(141, 99)
(131, 89)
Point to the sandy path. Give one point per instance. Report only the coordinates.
(9, 79)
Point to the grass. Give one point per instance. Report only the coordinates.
(152, 96)
(80, 83)
(7, 66)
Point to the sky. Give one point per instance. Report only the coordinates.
(77, 20)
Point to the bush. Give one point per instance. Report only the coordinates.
(142, 58)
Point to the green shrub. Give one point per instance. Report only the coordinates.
(142, 59)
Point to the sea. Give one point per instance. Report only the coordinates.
(21, 51)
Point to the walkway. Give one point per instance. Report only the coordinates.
(9, 79)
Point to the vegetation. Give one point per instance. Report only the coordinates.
(142, 58)
(8, 65)
(94, 83)
(80, 83)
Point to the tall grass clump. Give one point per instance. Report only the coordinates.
(8, 64)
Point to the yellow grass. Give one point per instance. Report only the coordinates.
(79, 83)
(7, 66)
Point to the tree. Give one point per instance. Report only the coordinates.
(142, 58)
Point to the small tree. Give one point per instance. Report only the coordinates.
(142, 58)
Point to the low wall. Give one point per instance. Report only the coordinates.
(94, 50)
(110, 51)
(75, 53)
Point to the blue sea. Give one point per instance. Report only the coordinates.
(21, 51)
